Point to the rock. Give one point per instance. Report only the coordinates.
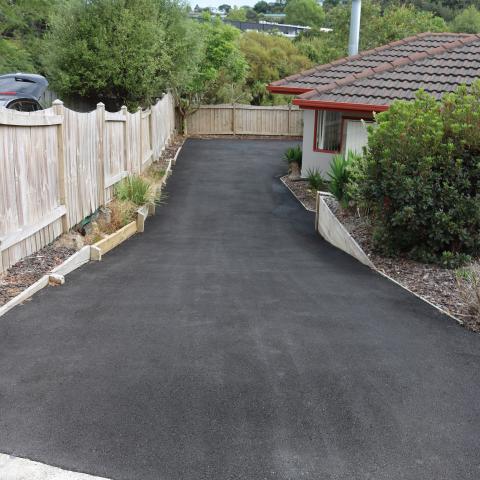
(70, 240)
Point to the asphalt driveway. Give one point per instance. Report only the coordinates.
(230, 342)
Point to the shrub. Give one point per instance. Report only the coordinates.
(293, 155)
(421, 177)
(135, 189)
(315, 179)
(468, 281)
(340, 176)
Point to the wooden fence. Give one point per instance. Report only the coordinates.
(58, 166)
(238, 119)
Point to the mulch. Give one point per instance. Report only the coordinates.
(301, 189)
(30, 269)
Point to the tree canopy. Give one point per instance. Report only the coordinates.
(467, 21)
(304, 12)
(270, 57)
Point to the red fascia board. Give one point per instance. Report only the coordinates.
(341, 106)
(287, 90)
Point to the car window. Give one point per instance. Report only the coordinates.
(24, 106)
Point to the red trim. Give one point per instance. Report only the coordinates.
(315, 145)
(287, 90)
(340, 106)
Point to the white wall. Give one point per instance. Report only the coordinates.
(312, 160)
(321, 160)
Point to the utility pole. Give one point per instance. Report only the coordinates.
(354, 27)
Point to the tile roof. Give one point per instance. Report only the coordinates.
(438, 70)
(344, 67)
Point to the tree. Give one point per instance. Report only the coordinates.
(270, 57)
(304, 12)
(467, 21)
(251, 14)
(377, 28)
(114, 50)
(238, 14)
(216, 70)
(225, 8)
(22, 26)
(261, 7)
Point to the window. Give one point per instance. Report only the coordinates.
(328, 130)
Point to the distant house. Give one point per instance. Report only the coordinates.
(340, 98)
(286, 30)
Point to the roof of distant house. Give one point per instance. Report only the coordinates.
(371, 80)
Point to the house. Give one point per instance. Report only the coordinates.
(339, 99)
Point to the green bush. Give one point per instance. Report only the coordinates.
(135, 189)
(293, 155)
(340, 176)
(315, 179)
(421, 177)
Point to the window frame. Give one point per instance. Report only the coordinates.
(315, 133)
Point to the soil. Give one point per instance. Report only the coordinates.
(302, 191)
(30, 269)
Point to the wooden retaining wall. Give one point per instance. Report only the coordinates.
(58, 166)
(238, 119)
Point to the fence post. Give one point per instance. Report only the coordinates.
(234, 126)
(126, 139)
(150, 131)
(140, 130)
(59, 109)
(288, 118)
(101, 153)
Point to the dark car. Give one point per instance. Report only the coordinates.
(22, 91)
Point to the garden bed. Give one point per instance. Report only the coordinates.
(433, 283)
(436, 284)
(103, 228)
(30, 269)
(302, 191)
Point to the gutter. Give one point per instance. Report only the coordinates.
(338, 106)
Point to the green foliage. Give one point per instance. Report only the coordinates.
(113, 47)
(421, 177)
(304, 12)
(239, 14)
(339, 177)
(270, 57)
(467, 21)
(215, 68)
(22, 25)
(315, 179)
(378, 27)
(293, 155)
(261, 7)
(135, 189)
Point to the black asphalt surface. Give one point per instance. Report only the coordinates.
(230, 342)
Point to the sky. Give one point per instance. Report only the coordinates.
(216, 3)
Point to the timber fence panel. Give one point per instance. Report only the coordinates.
(238, 119)
(58, 166)
(30, 205)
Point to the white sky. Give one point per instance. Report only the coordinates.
(216, 3)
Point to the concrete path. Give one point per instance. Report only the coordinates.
(14, 468)
(230, 342)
